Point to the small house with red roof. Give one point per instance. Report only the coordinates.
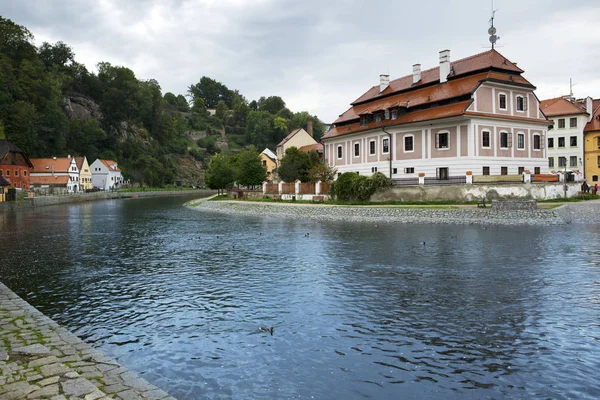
(55, 175)
(106, 174)
(85, 173)
(475, 114)
(301, 139)
(565, 136)
(15, 166)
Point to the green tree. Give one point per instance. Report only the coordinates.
(259, 129)
(222, 111)
(322, 172)
(199, 106)
(250, 169)
(294, 165)
(271, 104)
(299, 120)
(211, 91)
(170, 99)
(220, 174)
(58, 55)
(182, 104)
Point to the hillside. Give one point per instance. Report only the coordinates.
(50, 105)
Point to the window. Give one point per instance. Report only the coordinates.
(409, 143)
(395, 171)
(394, 114)
(356, 149)
(24, 173)
(16, 172)
(520, 141)
(378, 118)
(386, 114)
(372, 147)
(373, 169)
(502, 101)
(441, 140)
(1, 172)
(339, 152)
(505, 140)
(365, 119)
(573, 122)
(485, 139)
(573, 141)
(442, 173)
(537, 142)
(550, 142)
(550, 162)
(264, 162)
(599, 142)
(595, 178)
(386, 145)
(409, 170)
(520, 103)
(485, 171)
(562, 161)
(561, 142)
(503, 170)
(561, 123)
(573, 161)
(536, 170)
(598, 160)
(521, 170)
(8, 172)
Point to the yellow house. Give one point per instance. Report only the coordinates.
(85, 173)
(269, 160)
(592, 147)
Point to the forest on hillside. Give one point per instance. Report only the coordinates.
(153, 136)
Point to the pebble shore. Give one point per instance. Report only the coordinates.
(41, 360)
(464, 216)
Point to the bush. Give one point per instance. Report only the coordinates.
(353, 187)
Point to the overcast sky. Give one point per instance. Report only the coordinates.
(317, 55)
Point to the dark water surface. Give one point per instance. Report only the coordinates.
(358, 310)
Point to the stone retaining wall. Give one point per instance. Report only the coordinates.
(41, 360)
(506, 205)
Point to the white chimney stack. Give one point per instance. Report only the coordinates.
(444, 65)
(416, 73)
(384, 82)
(589, 107)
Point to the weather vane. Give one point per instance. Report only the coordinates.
(492, 29)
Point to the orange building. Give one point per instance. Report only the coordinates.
(15, 166)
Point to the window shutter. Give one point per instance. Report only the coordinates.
(509, 139)
(524, 103)
(543, 142)
(437, 140)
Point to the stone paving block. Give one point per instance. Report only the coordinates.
(48, 381)
(35, 377)
(18, 390)
(32, 349)
(42, 361)
(115, 388)
(129, 395)
(106, 367)
(78, 387)
(45, 392)
(95, 395)
(72, 375)
(59, 397)
(54, 369)
(155, 394)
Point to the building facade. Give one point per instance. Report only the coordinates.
(592, 145)
(477, 114)
(15, 166)
(106, 174)
(565, 140)
(46, 170)
(269, 161)
(85, 173)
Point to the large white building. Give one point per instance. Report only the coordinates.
(476, 114)
(566, 137)
(106, 174)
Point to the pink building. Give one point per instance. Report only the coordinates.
(476, 114)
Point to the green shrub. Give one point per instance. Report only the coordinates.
(353, 187)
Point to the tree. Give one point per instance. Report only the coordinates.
(322, 172)
(58, 56)
(259, 128)
(299, 120)
(250, 169)
(220, 174)
(182, 104)
(199, 106)
(271, 104)
(211, 91)
(294, 165)
(221, 111)
(170, 99)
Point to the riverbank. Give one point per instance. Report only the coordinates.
(42, 201)
(40, 359)
(584, 212)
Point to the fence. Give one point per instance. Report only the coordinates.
(307, 188)
(405, 182)
(498, 179)
(288, 188)
(272, 188)
(545, 178)
(452, 180)
(325, 186)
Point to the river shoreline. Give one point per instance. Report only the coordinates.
(564, 214)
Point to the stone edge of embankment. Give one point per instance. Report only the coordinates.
(409, 215)
(41, 359)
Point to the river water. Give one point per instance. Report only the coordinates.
(358, 310)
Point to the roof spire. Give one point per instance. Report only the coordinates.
(492, 29)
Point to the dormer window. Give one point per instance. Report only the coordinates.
(365, 119)
(378, 118)
(386, 114)
(394, 114)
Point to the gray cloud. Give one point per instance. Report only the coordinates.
(318, 55)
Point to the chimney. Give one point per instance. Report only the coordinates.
(309, 127)
(416, 73)
(589, 107)
(384, 82)
(444, 65)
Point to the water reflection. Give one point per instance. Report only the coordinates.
(358, 310)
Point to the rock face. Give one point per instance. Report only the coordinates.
(77, 106)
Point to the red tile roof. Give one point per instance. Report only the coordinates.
(62, 180)
(559, 106)
(318, 147)
(490, 59)
(594, 124)
(79, 162)
(109, 164)
(45, 164)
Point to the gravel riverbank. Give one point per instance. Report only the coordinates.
(570, 213)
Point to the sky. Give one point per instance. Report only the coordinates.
(318, 55)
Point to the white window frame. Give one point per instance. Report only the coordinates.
(500, 140)
(374, 147)
(570, 122)
(533, 142)
(356, 145)
(564, 122)
(383, 146)
(550, 162)
(520, 140)
(505, 101)
(517, 103)
(340, 151)
(489, 146)
(437, 141)
(413, 144)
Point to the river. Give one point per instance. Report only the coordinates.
(358, 310)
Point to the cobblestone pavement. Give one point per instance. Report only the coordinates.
(41, 360)
(431, 215)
